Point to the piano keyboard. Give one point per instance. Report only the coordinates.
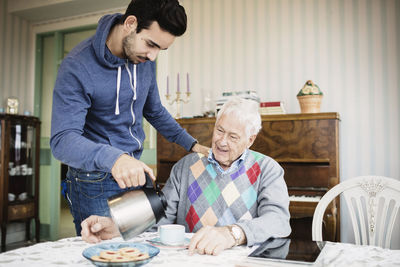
(304, 198)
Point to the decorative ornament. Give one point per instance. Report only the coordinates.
(12, 105)
(372, 188)
(310, 97)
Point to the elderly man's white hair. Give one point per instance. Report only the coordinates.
(246, 111)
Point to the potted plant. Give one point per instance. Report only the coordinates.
(310, 97)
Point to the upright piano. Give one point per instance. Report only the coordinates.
(305, 145)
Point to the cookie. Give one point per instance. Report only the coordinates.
(129, 251)
(98, 258)
(121, 258)
(140, 257)
(109, 254)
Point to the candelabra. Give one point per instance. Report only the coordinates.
(178, 100)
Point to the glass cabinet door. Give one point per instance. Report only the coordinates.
(21, 163)
(19, 179)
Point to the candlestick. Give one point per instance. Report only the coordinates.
(181, 98)
(187, 82)
(167, 85)
(177, 84)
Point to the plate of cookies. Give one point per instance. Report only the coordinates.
(120, 254)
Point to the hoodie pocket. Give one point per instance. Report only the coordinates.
(90, 184)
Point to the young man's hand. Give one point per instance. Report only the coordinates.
(96, 228)
(128, 171)
(197, 148)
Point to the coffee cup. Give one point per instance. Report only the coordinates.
(11, 197)
(23, 196)
(24, 169)
(172, 234)
(17, 170)
(12, 172)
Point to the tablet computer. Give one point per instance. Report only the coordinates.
(288, 250)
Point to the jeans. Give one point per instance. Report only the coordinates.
(87, 193)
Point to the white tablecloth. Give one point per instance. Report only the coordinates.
(68, 252)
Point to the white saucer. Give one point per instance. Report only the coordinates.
(157, 242)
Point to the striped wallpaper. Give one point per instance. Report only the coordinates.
(350, 48)
(15, 60)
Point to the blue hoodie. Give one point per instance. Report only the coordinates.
(99, 101)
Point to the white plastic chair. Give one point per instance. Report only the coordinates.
(373, 203)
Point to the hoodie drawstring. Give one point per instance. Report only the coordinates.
(118, 86)
(133, 85)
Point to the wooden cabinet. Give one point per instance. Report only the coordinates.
(305, 145)
(19, 180)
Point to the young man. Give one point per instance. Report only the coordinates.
(234, 196)
(105, 86)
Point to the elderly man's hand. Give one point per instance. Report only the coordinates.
(211, 240)
(96, 228)
(128, 171)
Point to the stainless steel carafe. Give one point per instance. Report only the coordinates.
(137, 210)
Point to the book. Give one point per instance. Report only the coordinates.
(275, 107)
(226, 96)
(271, 104)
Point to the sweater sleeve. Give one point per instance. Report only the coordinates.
(71, 101)
(171, 193)
(161, 119)
(273, 206)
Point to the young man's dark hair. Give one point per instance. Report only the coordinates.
(169, 14)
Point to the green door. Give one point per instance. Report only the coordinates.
(51, 49)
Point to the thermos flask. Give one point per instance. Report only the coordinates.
(137, 210)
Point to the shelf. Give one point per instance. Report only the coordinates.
(321, 161)
(272, 117)
(21, 202)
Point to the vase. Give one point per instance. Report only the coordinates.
(310, 103)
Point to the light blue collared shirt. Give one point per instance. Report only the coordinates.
(233, 166)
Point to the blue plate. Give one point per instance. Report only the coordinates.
(95, 250)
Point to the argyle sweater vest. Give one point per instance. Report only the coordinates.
(217, 199)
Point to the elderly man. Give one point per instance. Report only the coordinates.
(234, 196)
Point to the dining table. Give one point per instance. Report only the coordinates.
(69, 252)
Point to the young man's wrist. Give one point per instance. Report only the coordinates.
(193, 144)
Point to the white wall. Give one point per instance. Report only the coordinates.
(350, 48)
